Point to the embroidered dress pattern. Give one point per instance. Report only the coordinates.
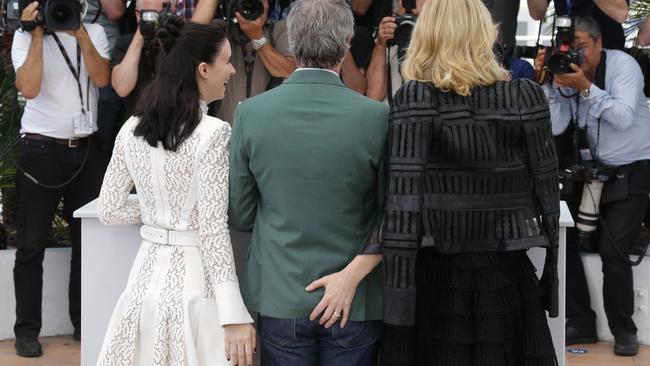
(179, 294)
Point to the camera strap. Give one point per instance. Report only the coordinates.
(580, 133)
(76, 73)
(248, 54)
(389, 84)
(599, 80)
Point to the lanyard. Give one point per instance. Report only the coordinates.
(75, 73)
(569, 8)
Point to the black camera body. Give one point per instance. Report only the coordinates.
(249, 9)
(405, 24)
(152, 20)
(564, 54)
(53, 15)
(559, 58)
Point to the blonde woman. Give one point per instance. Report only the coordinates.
(472, 184)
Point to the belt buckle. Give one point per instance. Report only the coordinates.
(73, 142)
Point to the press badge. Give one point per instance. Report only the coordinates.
(585, 154)
(83, 124)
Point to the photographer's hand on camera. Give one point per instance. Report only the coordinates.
(254, 29)
(576, 79)
(376, 74)
(386, 31)
(96, 65)
(78, 33)
(29, 17)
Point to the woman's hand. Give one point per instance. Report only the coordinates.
(340, 288)
(240, 343)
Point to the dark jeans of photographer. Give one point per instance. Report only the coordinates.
(51, 163)
(623, 218)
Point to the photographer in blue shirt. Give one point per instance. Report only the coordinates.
(602, 100)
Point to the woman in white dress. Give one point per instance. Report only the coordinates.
(182, 304)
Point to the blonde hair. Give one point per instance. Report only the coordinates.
(451, 46)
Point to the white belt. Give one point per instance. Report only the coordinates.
(170, 237)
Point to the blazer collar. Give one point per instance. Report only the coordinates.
(314, 76)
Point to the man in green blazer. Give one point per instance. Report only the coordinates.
(306, 178)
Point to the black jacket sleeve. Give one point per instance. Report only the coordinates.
(399, 230)
(542, 161)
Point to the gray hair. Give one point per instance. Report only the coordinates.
(588, 25)
(320, 32)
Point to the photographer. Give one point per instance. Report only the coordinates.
(387, 47)
(58, 72)
(107, 13)
(264, 55)
(133, 59)
(602, 100)
(609, 14)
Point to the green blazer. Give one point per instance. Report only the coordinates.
(306, 177)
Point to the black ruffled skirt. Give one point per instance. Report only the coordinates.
(473, 309)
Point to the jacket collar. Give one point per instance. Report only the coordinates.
(314, 76)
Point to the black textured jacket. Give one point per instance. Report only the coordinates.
(476, 173)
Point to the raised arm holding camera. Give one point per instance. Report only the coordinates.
(383, 76)
(260, 48)
(59, 65)
(599, 106)
(133, 60)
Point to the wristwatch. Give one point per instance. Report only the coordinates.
(585, 93)
(258, 43)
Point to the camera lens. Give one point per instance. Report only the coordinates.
(250, 9)
(61, 13)
(559, 63)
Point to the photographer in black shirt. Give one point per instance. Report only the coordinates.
(133, 58)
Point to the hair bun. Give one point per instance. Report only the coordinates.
(170, 31)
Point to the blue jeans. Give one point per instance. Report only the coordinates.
(301, 342)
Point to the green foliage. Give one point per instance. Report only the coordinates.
(10, 112)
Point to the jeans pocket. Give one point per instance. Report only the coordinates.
(34, 148)
(279, 332)
(357, 334)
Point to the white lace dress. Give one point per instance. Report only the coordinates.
(178, 295)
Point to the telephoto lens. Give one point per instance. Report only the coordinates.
(587, 221)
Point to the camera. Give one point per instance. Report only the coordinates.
(53, 15)
(249, 9)
(152, 20)
(594, 178)
(405, 24)
(563, 55)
